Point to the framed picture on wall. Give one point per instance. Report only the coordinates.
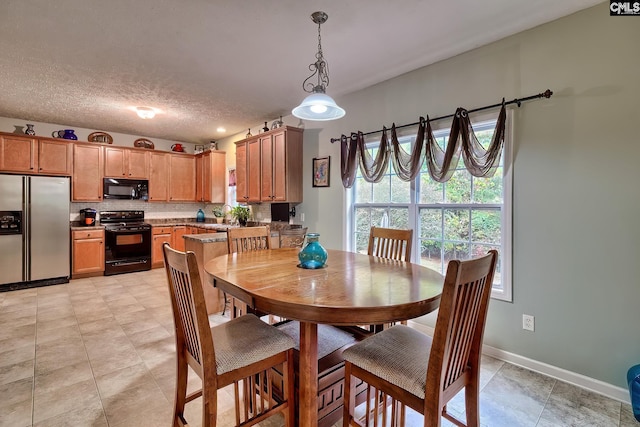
(321, 171)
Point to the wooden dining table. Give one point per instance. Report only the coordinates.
(351, 289)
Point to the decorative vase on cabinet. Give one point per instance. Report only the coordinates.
(313, 255)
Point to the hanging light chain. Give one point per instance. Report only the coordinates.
(320, 67)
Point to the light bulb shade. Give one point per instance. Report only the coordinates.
(318, 106)
(145, 112)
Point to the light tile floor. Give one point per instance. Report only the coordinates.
(100, 352)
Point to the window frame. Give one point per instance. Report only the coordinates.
(505, 293)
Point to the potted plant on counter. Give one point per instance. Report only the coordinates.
(218, 212)
(241, 214)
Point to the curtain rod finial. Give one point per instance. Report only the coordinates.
(547, 93)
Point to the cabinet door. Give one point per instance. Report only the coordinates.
(266, 169)
(55, 157)
(138, 164)
(182, 178)
(206, 177)
(218, 177)
(158, 177)
(87, 173)
(200, 178)
(241, 173)
(115, 163)
(157, 258)
(18, 154)
(178, 241)
(88, 254)
(253, 171)
(279, 169)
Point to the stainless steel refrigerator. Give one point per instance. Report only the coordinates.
(34, 231)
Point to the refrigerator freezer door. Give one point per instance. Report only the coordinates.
(11, 259)
(49, 227)
(11, 246)
(11, 192)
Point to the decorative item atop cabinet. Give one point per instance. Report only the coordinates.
(100, 137)
(30, 130)
(143, 143)
(269, 166)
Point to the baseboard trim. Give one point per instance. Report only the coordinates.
(614, 392)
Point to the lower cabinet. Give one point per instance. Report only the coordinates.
(178, 241)
(159, 236)
(87, 247)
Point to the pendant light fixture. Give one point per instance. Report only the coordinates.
(318, 106)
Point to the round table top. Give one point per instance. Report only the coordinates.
(351, 289)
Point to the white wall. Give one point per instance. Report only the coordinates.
(576, 204)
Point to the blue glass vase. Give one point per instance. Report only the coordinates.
(313, 255)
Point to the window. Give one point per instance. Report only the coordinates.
(462, 218)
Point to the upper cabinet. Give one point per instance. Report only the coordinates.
(87, 173)
(182, 178)
(55, 157)
(120, 162)
(269, 167)
(211, 177)
(30, 155)
(158, 176)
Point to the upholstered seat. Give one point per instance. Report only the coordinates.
(402, 366)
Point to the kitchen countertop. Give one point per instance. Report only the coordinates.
(207, 237)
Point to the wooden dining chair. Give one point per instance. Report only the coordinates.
(241, 352)
(245, 239)
(406, 367)
(292, 237)
(390, 243)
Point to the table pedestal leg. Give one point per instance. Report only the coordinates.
(308, 374)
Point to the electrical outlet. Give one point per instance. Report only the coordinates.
(528, 322)
(302, 217)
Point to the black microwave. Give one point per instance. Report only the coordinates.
(128, 189)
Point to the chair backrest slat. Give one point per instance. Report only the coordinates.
(390, 243)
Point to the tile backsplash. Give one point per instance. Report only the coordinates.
(260, 212)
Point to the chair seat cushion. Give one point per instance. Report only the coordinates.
(398, 355)
(245, 340)
(330, 338)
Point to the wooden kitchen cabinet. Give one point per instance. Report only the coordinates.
(55, 157)
(269, 167)
(87, 173)
(120, 162)
(248, 170)
(18, 154)
(30, 155)
(211, 177)
(182, 178)
(87, 249)
(178, 241)
(158, 177)
(160, 235)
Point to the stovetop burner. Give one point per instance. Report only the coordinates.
(124, 220)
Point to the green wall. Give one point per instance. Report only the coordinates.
(576, 249)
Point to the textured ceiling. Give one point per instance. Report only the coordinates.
(207, 63)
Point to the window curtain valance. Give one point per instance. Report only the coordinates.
(441, 162)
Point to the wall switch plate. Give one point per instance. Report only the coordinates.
(528, 322)
(302, 217)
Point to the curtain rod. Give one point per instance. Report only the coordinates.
(546, 94)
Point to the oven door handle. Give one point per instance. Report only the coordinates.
(142, 261)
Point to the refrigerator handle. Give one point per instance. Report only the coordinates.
(26, 228)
